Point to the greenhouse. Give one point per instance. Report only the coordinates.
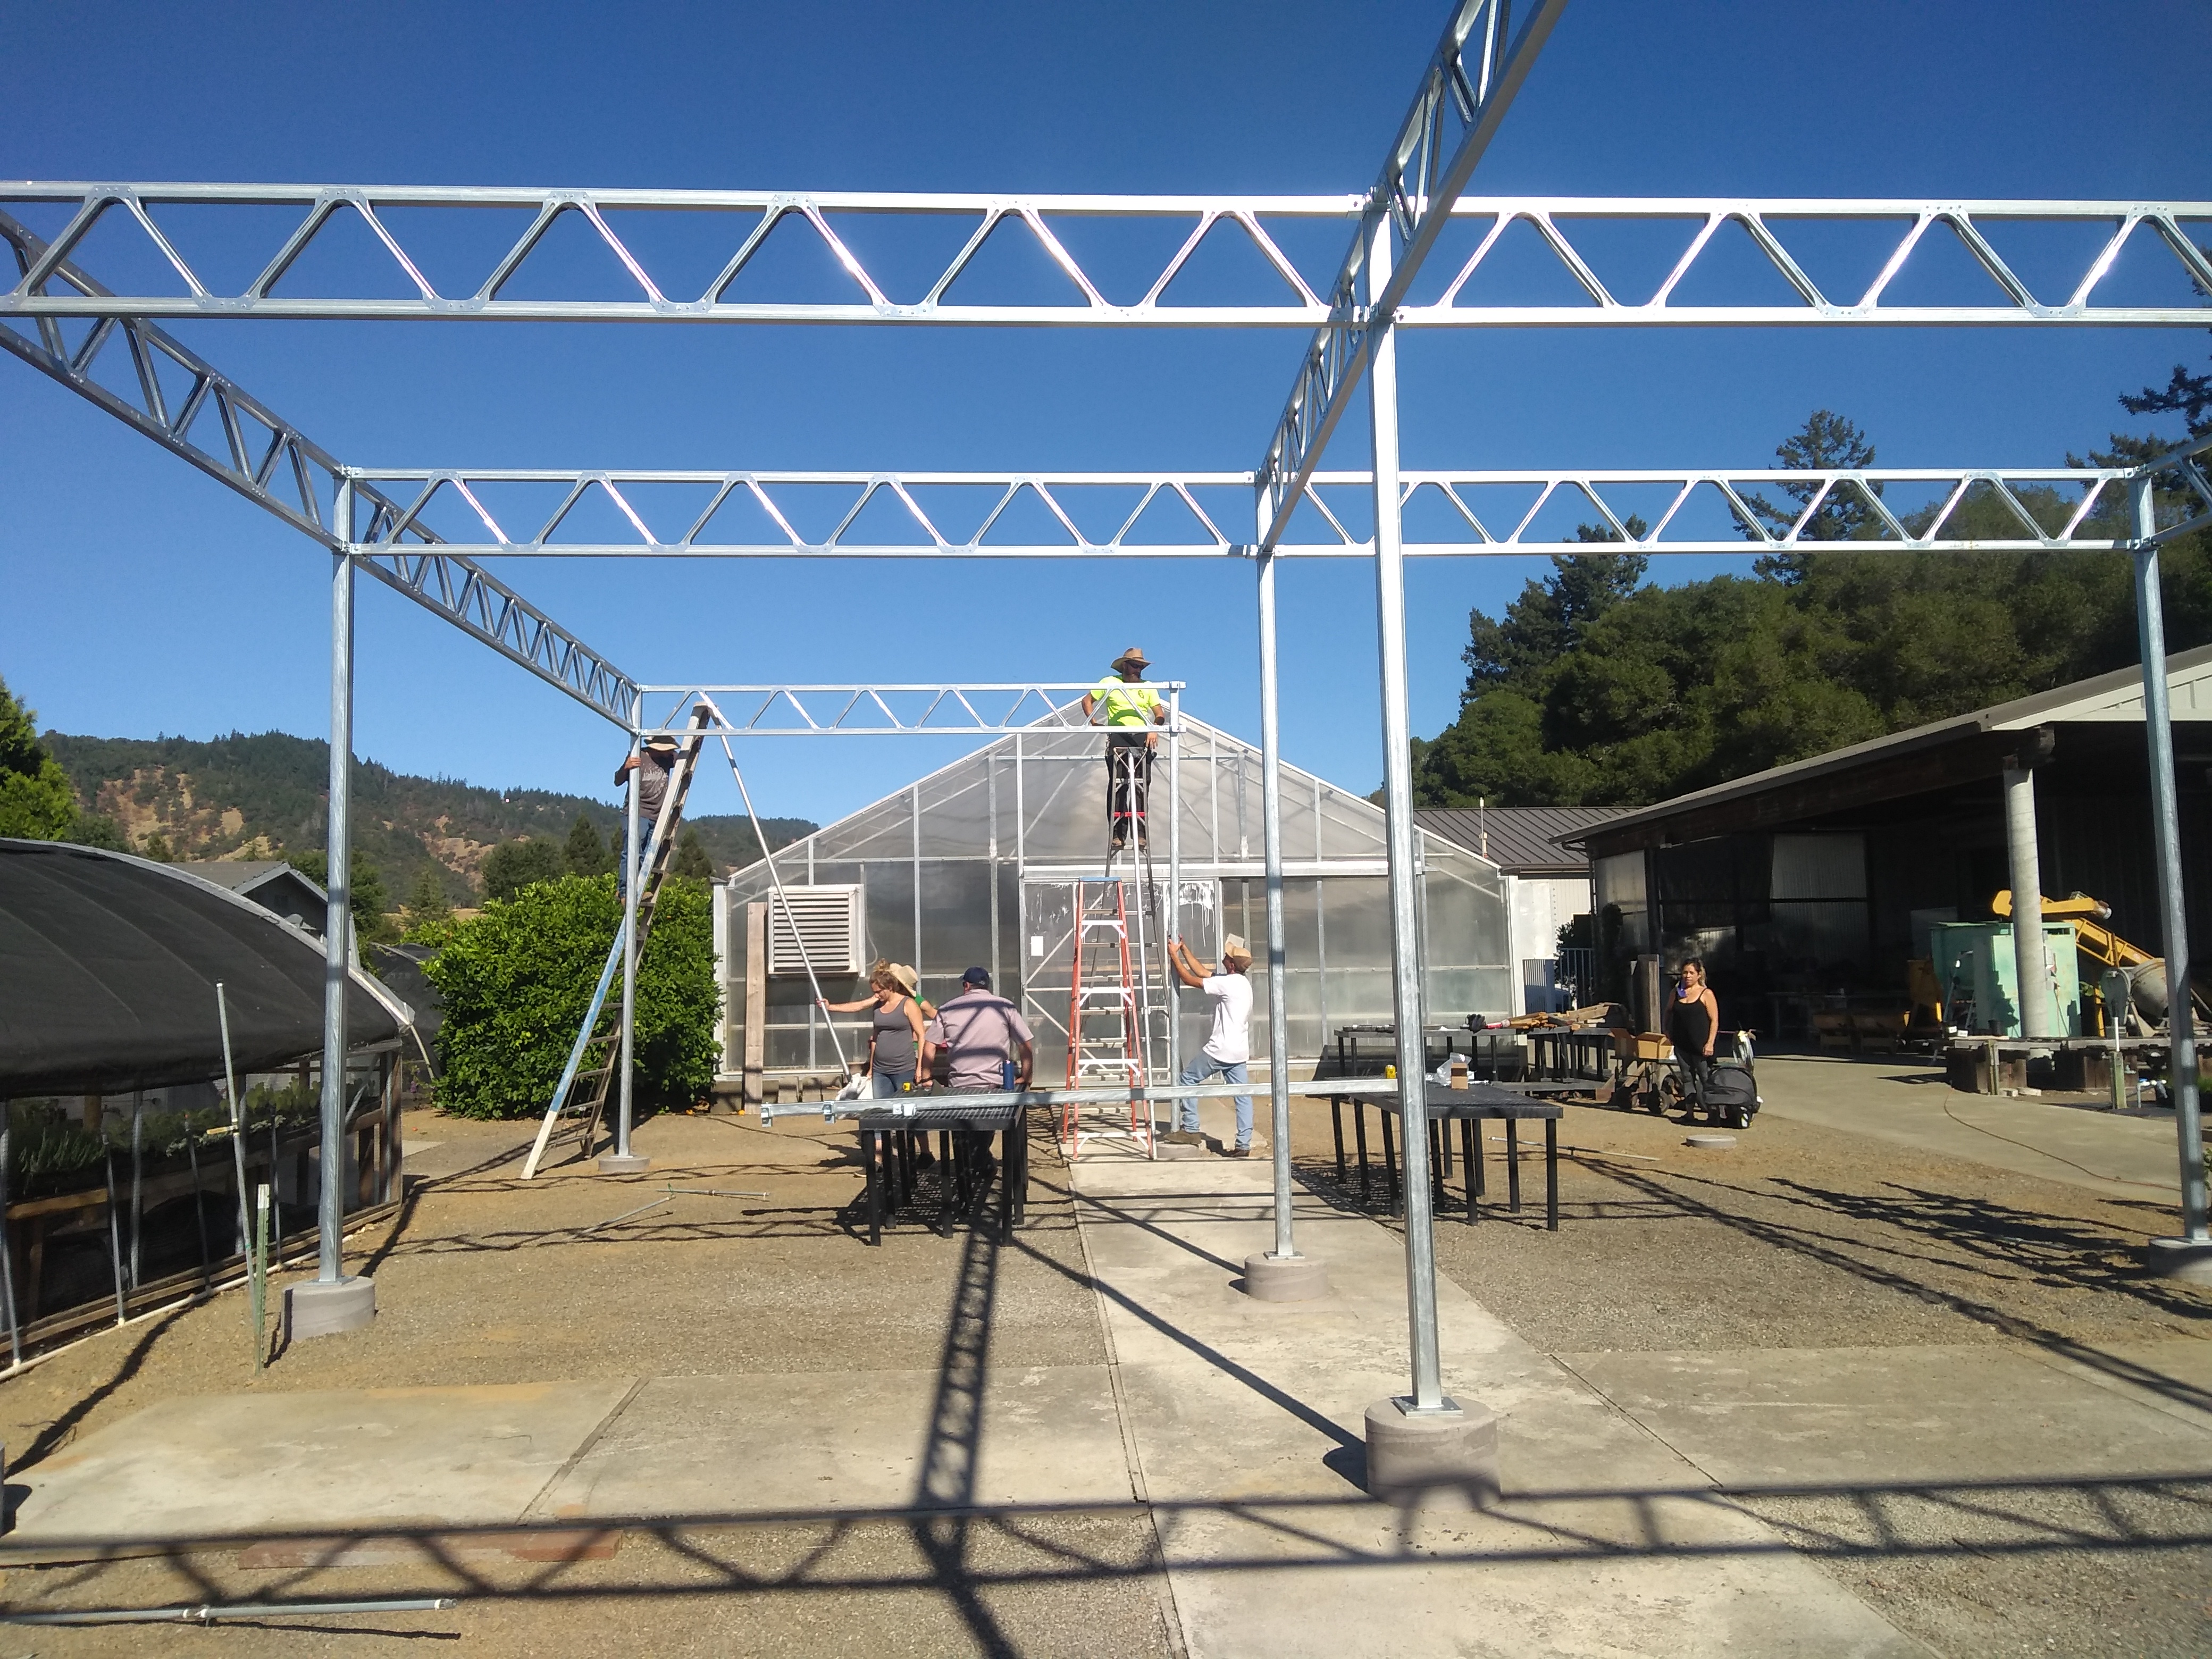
(976, 865)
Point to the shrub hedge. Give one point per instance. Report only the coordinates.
(516, 977)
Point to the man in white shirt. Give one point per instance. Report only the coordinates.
(1228, 1050)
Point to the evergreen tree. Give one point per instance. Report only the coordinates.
(155, 846)
(691, 858)
(367, 897)
(516, 864)
(1826, 443)
(1550, 617)
(585, 854)
(36, 801)
(429, 909)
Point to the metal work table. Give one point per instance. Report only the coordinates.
(1467, 1107)
(898, 1137)
(1586, 1056)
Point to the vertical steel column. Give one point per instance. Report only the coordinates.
(635, 879)
(337, 920)
(2195, 1242)
(1171, 988)
(1270, 846)
(1428, 1394)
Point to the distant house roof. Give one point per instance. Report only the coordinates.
(1523, 840)
(271, 883)
(1905, 762)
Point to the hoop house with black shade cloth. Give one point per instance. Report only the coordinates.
(108, 966)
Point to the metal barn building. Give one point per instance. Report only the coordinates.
(976, 865)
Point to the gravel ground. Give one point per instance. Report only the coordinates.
(484, 1280)
(1800, 1236)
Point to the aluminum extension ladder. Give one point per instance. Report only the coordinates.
(579, 1100)
(1118, 1002)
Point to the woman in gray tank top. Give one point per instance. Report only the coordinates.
(894, 1038)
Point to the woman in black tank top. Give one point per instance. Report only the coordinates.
(894, 1034)
(1694, 1021)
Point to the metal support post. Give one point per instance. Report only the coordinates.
(621, 1161)
(337, 920)
(2030, 962)
(1171, 986)
(2190, 1255)
(1270, 846)
(333, 1301)
(1428, 1394)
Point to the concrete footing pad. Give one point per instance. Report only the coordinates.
(316, 1308)
(623, 1164)
(1271, 1278)
(2181, 1258)
(1439, 1457)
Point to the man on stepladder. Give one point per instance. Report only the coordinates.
(1130, 706)
(1228, 1050)
(652, 766)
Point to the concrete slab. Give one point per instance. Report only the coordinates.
(1248, 1422)
(1909, 1103)
(230, 1465)
(818, 1442)
(1853, 1416)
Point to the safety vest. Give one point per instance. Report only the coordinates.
(1125, 704)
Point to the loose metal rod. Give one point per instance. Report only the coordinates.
(337, 922)
(790, 921)
(237, 1119)
(1271, 842)
(211, 1614)
(2165, 827)
(1428, 1394)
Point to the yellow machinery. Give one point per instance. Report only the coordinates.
(2092, 938)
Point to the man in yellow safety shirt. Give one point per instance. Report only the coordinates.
(1129, 707)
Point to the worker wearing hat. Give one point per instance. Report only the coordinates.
(653, 765)
(1228, 1050)
(1127, 708)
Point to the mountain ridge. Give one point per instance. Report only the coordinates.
(263, 795)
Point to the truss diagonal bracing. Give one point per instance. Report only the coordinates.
(887, 256)
(823, 711)
(758, 515)
(173, 396)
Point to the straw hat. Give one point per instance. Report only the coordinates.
(909, 981)
(1134, 654)
(1233, 946)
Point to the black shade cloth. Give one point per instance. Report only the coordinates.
(108, 966)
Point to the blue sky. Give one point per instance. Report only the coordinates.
(142, 597)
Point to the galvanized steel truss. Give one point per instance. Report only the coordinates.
(1506, 512)
(1768, 232)
(268, 460)
(873, 711)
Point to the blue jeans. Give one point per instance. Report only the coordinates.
(621, 863)
(887, 1082)
(1197, 1069)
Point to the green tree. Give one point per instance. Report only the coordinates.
(583, 853)
(516, 979)
(155, 846)
(691, 860)
(428, 910)
(98, 829)
(1826, 442)
(367, 896)
(1549, 618)
(36, 801)
(515, 865)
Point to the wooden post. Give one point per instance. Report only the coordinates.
(756, 999)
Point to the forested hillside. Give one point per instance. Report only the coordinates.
(262, 796)
(1597, 688)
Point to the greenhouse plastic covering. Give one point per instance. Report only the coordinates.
(975, 866)
(108, 966)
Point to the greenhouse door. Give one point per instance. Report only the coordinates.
(1048, 962)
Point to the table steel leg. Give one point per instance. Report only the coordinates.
(1021, 1180)
(1552, 1174)
(1444, 1159)
(1359, 1131)
(1513, 1163)
(1439, 1159)
(1007, 1161)
(1470, 1146)
(1336, 1126)
(1389, 1161)
(868, 1138)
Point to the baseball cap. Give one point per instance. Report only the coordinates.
(978, 977)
